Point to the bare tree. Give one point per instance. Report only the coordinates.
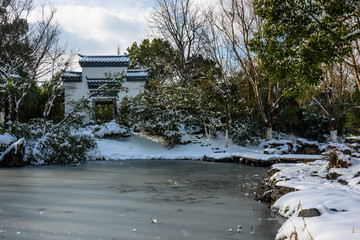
(219, 50)
(238, 23)
(181, 23)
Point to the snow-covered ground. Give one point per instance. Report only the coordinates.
(338, 204)
(144, 147)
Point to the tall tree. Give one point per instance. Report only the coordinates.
(29, 53)
(15, 51)
(238, 23)
(156, 55)
(181, 23)
(225, 70)
(298, 38)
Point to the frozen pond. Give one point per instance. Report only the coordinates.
(116, 200)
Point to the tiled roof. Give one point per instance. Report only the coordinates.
(104, 61)
(69, 76)
(136, 75)
(94, 83)
(132, 75)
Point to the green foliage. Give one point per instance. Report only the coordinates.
(157, 55)
(312, 125)
(104, 112)
(297, 37)
(353, 115)
(14, 43)
(62, 147)
(288, 109)
(126, 106)
(30, 131)
(246, 131)
(172, 138)
(63, 143)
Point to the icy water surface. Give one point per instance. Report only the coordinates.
(116, 200)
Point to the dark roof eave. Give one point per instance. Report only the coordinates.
(136, 79)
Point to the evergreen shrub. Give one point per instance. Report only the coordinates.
(246, 131)
(62, 144)
(313, 126)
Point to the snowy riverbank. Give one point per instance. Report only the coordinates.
(337, 201)
(338, 204)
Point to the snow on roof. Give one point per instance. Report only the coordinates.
(104, 61)
(70, 76)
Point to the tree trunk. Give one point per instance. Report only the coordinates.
(354, 68)
(207, 133)
(268, 133)
(269, 113)
(333, 134)
(226, 138)
(7, 111)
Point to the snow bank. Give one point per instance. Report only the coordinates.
(6, 139)
(144, 147)
(338, 204)
(109, 128)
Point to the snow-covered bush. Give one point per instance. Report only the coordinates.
(172, 138)
(246, 132)
(30, 130)
(61, 144)
(109, 129)
(5, 140)
(64, 146)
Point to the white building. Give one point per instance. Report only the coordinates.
(85, 84)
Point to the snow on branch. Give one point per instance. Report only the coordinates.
(321, 106)
(357, 32)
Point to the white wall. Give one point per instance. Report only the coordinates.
(76, 90)
(99, 72)
(134, 89)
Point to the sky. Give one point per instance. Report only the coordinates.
(99, 27)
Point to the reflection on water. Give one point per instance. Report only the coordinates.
(121, 199)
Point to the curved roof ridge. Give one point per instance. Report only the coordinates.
(103, 56)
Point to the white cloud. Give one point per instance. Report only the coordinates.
(98, 27)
